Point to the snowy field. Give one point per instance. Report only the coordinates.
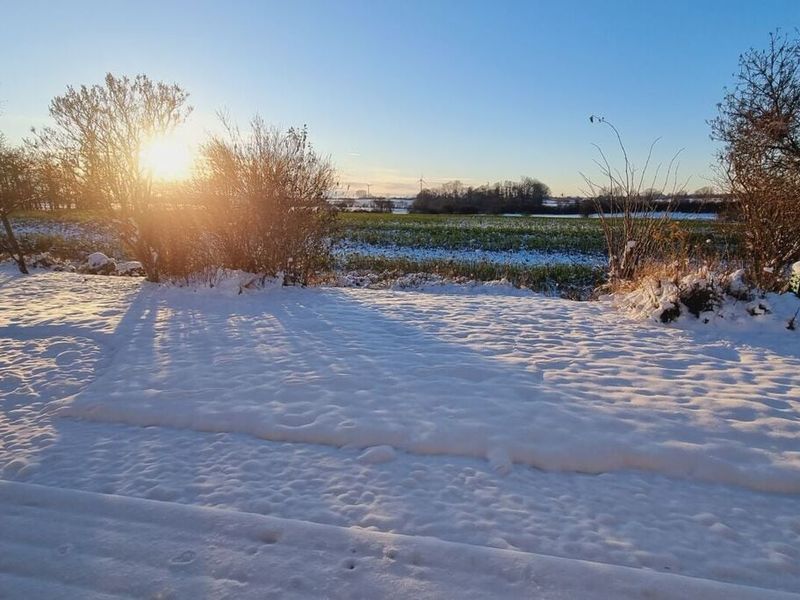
(167, 442)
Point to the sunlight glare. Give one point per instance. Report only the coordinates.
(167, 158)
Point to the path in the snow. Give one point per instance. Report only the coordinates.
(427, 372)
(67, 544)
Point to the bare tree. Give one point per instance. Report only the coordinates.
(17, 187)
(633, 229)
(97, 141)
(759, 125)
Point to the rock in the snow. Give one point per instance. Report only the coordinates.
(131, 268)
(97, 260)
(98, 263)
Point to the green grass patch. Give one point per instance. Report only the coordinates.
(471, 232)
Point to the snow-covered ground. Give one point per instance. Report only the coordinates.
(63, 543)
(505, 257)
(370, 443)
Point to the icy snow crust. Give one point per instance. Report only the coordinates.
(114, 349)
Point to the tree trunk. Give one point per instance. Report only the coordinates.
(16, 251)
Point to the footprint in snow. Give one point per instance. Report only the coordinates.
(184, 558)
(269, 536)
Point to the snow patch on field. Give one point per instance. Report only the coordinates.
(92, 233)
(428, 282)
(510, 257)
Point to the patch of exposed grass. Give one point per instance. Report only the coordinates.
(67, 247)
(565, 280)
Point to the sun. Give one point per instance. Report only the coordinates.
(167, 158)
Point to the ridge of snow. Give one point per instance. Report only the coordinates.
(86, 545)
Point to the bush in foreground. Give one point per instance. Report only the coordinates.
(263, 202)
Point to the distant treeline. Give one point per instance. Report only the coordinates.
(682, 203)
(530, 196)
(524, 196)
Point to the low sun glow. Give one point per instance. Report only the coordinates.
(167, 158)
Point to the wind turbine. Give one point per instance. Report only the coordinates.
(422, 181)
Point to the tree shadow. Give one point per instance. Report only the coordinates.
(343, 367)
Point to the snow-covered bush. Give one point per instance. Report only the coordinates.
(664, 297)
(130, 268)
(738, 287)
(700, 293)
(707, 295)
(98, 263)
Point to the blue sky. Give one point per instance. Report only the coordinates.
(467, 90)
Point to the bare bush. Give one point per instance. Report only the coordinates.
(95, 147)
(265, 198)
(633, 206)
(759, 124)
(177, 232)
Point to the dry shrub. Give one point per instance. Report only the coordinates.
(769, 208)
(265, 203)
(16, 188)
(636, 232)
(173, 241)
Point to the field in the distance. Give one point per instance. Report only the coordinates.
(497, 232)
(565, 256)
